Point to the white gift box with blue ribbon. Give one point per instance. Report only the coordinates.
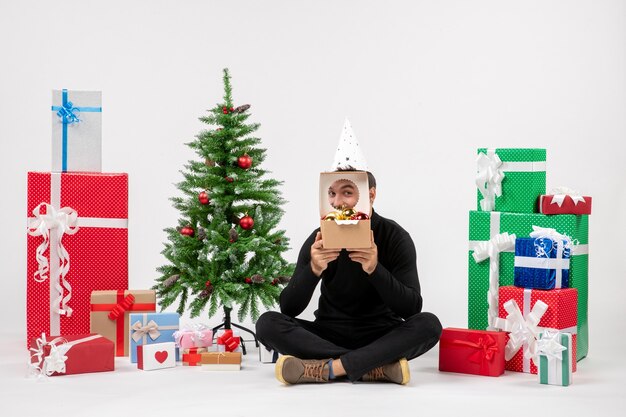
(76, 131)
(151, 328)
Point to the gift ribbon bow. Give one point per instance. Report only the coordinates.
(53, 362)
(151, 329)
(67, 113)
(523, 330)
(56, 358)
(491, 249)
(122, 307)
(547, 240)
(52, 226)
(559, 194)
(549, 345)
(228, 340)
(489, 179)
(561, 241)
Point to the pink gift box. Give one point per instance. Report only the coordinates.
(188, 338)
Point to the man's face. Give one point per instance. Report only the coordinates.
(343, 194)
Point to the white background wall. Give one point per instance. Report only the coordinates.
(424, 83)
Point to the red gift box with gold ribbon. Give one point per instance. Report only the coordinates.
(109, 314)
(77, 242)
(477, 352)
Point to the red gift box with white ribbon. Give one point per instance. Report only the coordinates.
(525, 313)
(77, 242)
(67, 355)
(564, 201)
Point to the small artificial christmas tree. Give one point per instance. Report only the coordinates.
(226, 251)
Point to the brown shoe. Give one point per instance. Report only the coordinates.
(397, 372)
(291, 370)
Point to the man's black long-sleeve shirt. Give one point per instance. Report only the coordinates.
(348, 294)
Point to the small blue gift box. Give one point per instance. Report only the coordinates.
(541, 263)
(150, 328)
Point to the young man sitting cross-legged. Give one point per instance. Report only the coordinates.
(369, 320)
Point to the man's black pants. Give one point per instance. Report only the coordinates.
(360, 346)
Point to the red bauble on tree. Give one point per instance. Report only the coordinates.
(244, 161)
(229, 179)
(248, 280)
(187, 231)
(203, 198)
(225, 110)
(246, 222)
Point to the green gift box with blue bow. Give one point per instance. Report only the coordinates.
(76, 131)
(150, 328)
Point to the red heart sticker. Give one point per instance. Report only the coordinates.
(161, 356)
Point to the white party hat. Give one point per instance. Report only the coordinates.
(349, 154)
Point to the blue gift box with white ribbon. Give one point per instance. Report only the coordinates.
(151, 328)
(541, 263)
(76, 131)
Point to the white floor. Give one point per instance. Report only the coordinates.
(598, 390)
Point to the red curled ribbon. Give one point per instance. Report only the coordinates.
(486, 349)
(228, 340)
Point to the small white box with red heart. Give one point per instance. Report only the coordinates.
(156, 356)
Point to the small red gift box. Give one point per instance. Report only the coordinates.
(564, 204)
(193, 356)
(519, 309)
(227, 341)
(477, 352)
(77, 243)
(67, 355)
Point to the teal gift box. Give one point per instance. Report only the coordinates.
(150, 328)
(510, 180)
(555, 365)
(483, 229)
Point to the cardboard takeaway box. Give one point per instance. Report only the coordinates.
(340, 234)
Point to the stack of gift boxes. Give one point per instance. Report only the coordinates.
(80, 313)
(528, 281)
